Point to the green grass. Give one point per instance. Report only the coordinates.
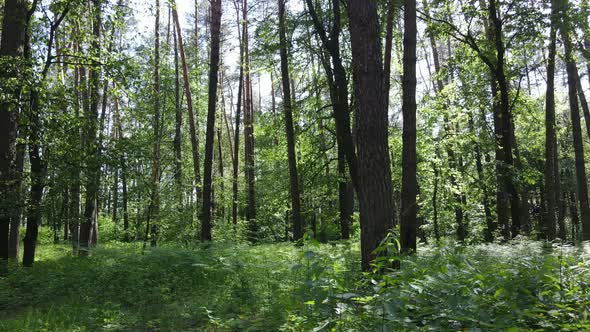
(281, 287)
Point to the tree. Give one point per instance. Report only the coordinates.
(581, 179)
(154, 204)
(409, 207)
(288, 110)
(374, 182)
(236, 157)
(249, 133)
(91, 138)
(11, 55)
(552, 194)
(210, 134)
(189, 100)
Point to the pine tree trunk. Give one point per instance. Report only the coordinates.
(210, 133)
(189, 103)
(551, 194)
(409, 205)
(153, 219)
(298, 227)
(91, 140)
(249, 135)
(581, 179)
(236, 142)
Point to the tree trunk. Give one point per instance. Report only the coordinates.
(210, 134)
(177, 128)
(582, 182)
(409, 181)
(153, 219)
(236, 142)
(337, 79)
(374, 189)
(298, 227)
(11, 51)
(91, 141)
(189, 104)
(551, 195)
(15, 222)
(249, 135)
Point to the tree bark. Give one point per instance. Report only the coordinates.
(91, 139)
(298, 227)
(551, 194)
(249, 135)
(189, 103)
(14, 24)
(581, 179)
(177, 128)
(153, 218)
(374, 189)
(210, 134)
(236, 142)
(409, 181)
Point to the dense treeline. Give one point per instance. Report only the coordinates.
(269, 121)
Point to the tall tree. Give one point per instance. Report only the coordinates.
(210, 134)
(581, 179)
(236, 157)
(374, 182)
(409, 207)
(189, 101)
(177, 127)
(551, 161)
(91, 138)
(11, 57)
(288, 112)
(249, 133)
(154, 203)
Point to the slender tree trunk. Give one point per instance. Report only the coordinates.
(409, 181)
(374, 190)
(551, 195)
(189, 103)
(126, 237)
(249, 134)
(177, 128)
(210, 134)
(153, 218)
(91, 141)
(15, 222)
(298, 228)
(435, 203)
(581, 179)
(237, 129)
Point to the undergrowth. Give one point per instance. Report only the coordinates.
(518, 286)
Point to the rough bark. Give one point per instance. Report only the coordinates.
(409, 205)
(581, 179)
(288, 113)
(249, 135)
(91, 139)
(11, 55)
(236, 158)
(210, 133)
(374, 189)
(189, 103)
(153, 218)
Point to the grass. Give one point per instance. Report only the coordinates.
(279, 287)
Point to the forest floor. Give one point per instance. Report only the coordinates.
(518, 286)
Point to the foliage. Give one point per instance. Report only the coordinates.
(522, 286)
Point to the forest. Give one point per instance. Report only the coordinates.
(294, 165)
